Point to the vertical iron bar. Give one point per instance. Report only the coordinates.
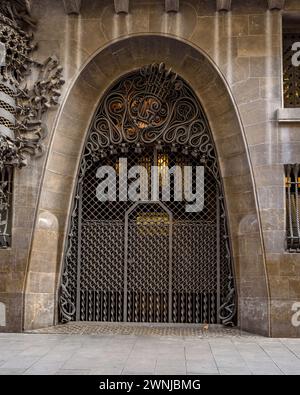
(125, 268)
(8, 227)
(218, 255)
(79, 252)
(170, 266)
(155, 179)
(150, 306)
(296, 173)
(289, 204)
(86, 299)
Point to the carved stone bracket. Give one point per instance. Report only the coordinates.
(276, 4)
(172, 5)
(223, 5)
(72, 6)
(121, 6)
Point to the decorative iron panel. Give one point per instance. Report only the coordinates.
(291, 73)
(148, 261)
(102, 271)
(6, 182)
(292, 186)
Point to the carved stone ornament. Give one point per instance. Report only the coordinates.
(23, 104)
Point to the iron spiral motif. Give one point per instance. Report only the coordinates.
(150, 106)
(147, 113)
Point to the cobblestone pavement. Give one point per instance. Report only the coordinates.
(146, 351)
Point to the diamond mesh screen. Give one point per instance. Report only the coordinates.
(291, 73)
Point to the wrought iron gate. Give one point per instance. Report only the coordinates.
(148, 261)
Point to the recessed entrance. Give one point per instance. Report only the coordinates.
(148, 260)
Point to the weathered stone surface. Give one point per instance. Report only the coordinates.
(72, 6)
(263, 154)
(254, 112)
(13, 306)
(255, 317)
(292, 5)
(269, 175)
(255, 46)
(40, 310)
(265, 24)
(249, 7)
(271, 196)
(288, 115)
(236, 25)
(262, 133)
(2, 314)
(41, 280)
(281, 317)
(270, 88)
(246, 91)
(204, 7)
(182, 23)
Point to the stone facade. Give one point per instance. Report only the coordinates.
(233, 62)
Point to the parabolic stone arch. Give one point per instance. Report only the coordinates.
(59, 182)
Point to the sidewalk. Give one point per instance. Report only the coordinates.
(133, 354)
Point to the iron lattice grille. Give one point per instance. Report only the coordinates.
(292, 186)
(102, 271)
(148, 261)
(6, 182)
(291, 73)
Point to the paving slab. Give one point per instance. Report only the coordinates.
(11, 372)
(134, 354)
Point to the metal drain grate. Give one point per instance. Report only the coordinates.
(110, 328)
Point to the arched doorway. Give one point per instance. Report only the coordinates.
(150, 260)
(58, 187)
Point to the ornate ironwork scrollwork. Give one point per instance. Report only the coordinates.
(6, 174)
(149, 106)
(22, 102)
(66, 298)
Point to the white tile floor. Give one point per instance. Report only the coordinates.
(132, 354)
